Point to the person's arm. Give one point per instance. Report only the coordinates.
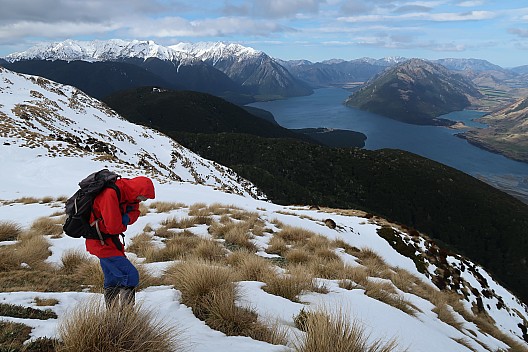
(110, 212)
(132, 209)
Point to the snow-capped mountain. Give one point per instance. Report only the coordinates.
(217, 68)
(52, 135)
(253, 69)
(217, 51)
(63, 122)
(99, 50)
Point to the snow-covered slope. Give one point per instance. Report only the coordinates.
(45, 149)
(42, 119)
(99, 50)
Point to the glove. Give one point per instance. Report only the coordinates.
(125, 219)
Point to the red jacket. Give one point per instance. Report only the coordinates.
(110, 211)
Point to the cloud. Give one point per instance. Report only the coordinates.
(434, 17)
(470, 3)
(523, 33)
(223, 26)
(284, 8)
(96, 11)
(10, 33)
(412, 8)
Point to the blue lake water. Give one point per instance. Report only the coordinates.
(325, 108)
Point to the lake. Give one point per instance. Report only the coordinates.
(325, 108)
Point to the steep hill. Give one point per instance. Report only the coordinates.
(507, 131)
(63, 122)
(189, 111)
(97, 79)
(415, 91)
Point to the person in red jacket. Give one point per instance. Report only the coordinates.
(111, 216)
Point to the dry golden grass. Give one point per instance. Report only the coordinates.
(46, 302)
(357, 274)
(209, 250)
(295, 235)
(196, 280)
(337, 332)
(239, 237)
(179, 223)
(333, 269)
(179, 246)
(446, 315)
(277, 245)
(92, 327)
(165, 207)
(72, 260)
(385, 292)
(47, 226)
(143, 209)
(374, 263)
(32, 249)
(290, 285)
(250, 267)
(9, 230)
(317, 242)
(142, 245)
(27, 200)
(298, 256)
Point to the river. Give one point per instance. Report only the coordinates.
(325, 108)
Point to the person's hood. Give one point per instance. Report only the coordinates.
(131, 188)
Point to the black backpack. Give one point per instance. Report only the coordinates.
(79, 206)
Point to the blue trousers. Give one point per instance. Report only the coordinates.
(119, 272)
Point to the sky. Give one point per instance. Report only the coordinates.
(315, 30)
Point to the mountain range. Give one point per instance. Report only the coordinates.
(415, 91)
(392, 279)
(252, 75)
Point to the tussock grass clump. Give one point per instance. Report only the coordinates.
(46, 226)
(72, 260)
(239, 237)
(142, 245)
(9, 230)
(249, 266)
(181, 223)
(445, 315)
(92, 327)
(333, 269)
(385, 292)
(32, 249)
(165, 207)
(295, 235)
(178, 246)
(289, 285)
(46, 302)
(337, 332)
(209, 250)
(277, 245)
(13, 335)
(197, 280)
(298, 256)
(211, 293)
(16, 311)
(374, 263)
